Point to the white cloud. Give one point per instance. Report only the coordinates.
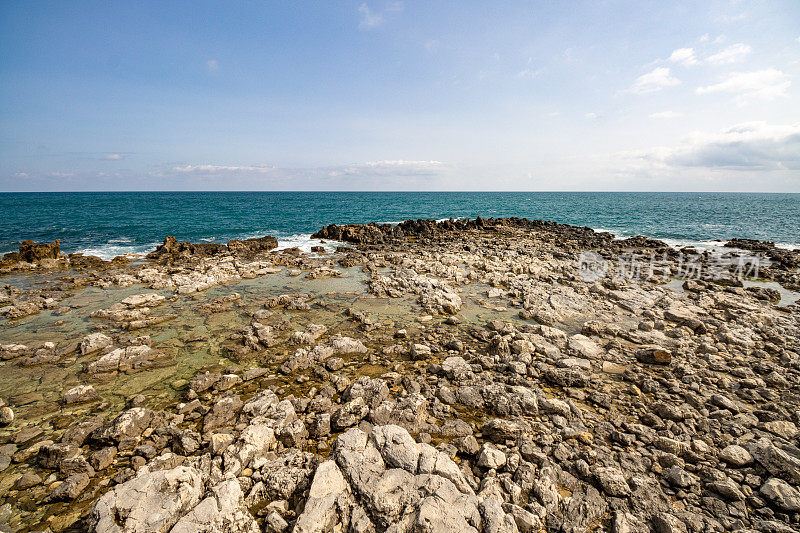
(748, 146)
(20, 174)
(684, 56)
(732, 54)
(766, 84)
(113, 157)
(704, 38)
(592, 116)
(397, 167)
(666, 114)
(212, 65)
(215, 169)
(61, 174)
(370, 18)
(654, 81)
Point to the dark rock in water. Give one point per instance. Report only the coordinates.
(70, 489)
(172, 250)
(52, 455)
(33, 252)
(384, 233)
(86, 261)
(752, 245)
(259, 244)
(785, 258)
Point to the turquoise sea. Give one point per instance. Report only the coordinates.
(113, 223)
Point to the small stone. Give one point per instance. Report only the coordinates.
(6, 416)
(26, 481)
(613, 481)
(736, 456)
(654, 355)
(70, 489)
(81, 393)
(220, 442)
(491, 457)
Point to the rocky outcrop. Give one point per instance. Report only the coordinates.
(32, 252)
(171, 250)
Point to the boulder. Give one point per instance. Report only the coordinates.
(151, 501)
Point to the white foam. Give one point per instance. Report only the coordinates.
(304, 242)
(110, 251)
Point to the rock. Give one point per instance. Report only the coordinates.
(457, 369)
(51, 455)
(103, 458)
(783, 495)
(129, 359)
(736, 456)
(220, 442)
(6, 416)
(775, 460)
(223, 413)
(419, 352)
(69, 489)
(221, 510)
(678, 477)
(491, 457)
(94, 342)
(585, 347)
(782, 428)
(328, 489)
(33, 252)
(143, 300)
(81, 393)
(128, 424)
(612, 481)
(346, 345)
(654, 355)
(727, 489)
(350, 414)
(203, 382)
(151, 501)
(396, 447)
(26, 481)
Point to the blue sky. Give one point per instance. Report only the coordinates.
(595, 95)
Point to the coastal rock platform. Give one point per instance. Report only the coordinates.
(487, 375)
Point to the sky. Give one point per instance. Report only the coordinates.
(400, 95)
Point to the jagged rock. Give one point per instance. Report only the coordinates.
(783, 495)
(612, 481)
(222, 510)
(128, 424)
(654, 355)
(491, 457)
(69, 489)
(132, 358)
(151, 501)
(81, 393)
(94, 342)
(33, 252)
(736, 456)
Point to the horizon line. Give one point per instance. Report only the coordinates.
(390, 191)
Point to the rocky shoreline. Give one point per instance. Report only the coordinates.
(493, 376)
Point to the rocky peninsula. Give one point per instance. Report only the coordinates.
(487, 375)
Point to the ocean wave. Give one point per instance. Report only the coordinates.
(111, 250)
(305, 242)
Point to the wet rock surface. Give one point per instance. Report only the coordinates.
(507, 393)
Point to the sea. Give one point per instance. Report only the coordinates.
(108, 224)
